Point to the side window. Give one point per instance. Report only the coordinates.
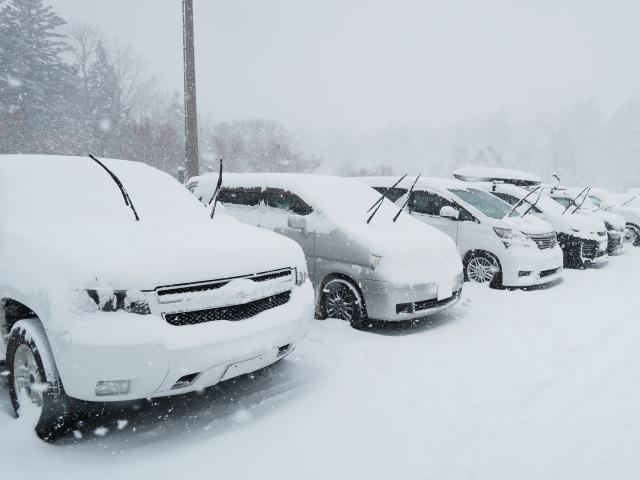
(192, 187)
(284, 200)
(240, 196)
(393, 194)
(428, 203)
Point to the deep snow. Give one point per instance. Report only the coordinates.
(507, 384)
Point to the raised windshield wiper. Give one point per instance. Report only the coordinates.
(628, 201)
(584, 199)
(214, 197)
(378, 203)
(522, 200)
(573, 201)
(408, 197)
(532, 205)
(125, 195)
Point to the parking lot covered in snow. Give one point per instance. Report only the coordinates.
(507, 384)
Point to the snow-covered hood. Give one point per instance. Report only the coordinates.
(528, 224)
(145, 255)
(579, 225)
(615, 220)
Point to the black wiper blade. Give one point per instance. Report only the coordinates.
(522, 200)
(125, 195)
(378, 203)
(408, 197)
(531, 205)
(573, 201)
(628, 201)
(214, 197)
(584, 199)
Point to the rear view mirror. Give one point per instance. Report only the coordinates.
(449, 212)
(297, 223)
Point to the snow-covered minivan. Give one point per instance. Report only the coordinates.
(583, 239)
(576, 200)
(627, 206)
(115, 284)
(496, 246)
(363, 264)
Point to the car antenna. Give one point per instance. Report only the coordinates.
(380, 201)
(125, 195)
(584, 199)
(532, 205)
(573, 201)
(214, 197)
(521, 201)
(408, 197)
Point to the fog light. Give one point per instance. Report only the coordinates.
(113, 387)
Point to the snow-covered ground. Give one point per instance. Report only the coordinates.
(506, 385)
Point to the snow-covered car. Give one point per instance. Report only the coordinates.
(496, 248)
(583, 239)
(496, 174)
(575, 200)
(115, 284)
(626, 207)
(363, 264)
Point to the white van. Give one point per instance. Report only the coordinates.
(496, 248)
(627, 206)
(110, 294)
(379, 269)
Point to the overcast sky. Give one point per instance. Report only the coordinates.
(366, 64)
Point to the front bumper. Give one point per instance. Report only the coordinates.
(525, 267)
(155, 355)
(397, 302)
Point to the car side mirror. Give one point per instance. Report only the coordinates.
(297, 223)
(449, 212)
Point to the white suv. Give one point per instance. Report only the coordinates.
(496, 248)
(97, 305)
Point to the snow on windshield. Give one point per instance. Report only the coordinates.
(486, 203)
(53, 189)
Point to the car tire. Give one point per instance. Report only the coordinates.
(483, 268)
(33, 376)
(341, 299)
(632, 235)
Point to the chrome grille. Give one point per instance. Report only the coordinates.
(215, 284)
(545, 240)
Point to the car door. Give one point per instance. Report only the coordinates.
(282, 205)
(426, 206)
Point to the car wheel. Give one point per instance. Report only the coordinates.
(483, 268)
(34, 386)
(342, 300)
(632, 235)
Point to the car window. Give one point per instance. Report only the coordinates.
(393, 194)
(595, 201)
(240, 196)
(565, 202)
(192, 187)
(484, 202)
(285, 200)
(429, 203)
(511, 200)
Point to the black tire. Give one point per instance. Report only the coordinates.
(340, 298)
(636, 230)
(483, 260)
(54, 417)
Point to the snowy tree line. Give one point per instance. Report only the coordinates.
(67, 89)
(581, 143)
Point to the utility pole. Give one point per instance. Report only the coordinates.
(190, 113)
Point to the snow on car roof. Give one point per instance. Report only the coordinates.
(346, 201)
(426, 182)
(489, 174)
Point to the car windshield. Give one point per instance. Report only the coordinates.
(484, 202)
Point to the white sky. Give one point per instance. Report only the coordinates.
(365, 64)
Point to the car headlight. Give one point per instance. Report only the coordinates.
(374, 261)
(514, 237)
(301, 276)
(132, 301)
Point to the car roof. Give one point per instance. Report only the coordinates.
(489, 174)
